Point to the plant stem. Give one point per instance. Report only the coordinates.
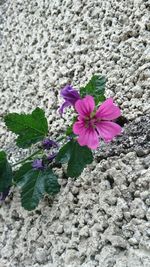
(30, 157)
(61, 138)
(36, 152)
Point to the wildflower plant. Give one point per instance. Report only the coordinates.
(94, 121)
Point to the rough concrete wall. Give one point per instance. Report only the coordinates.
(103, 218)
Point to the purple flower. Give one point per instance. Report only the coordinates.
(51, 156)
(38, 164)
(70, 95)
(47, 144)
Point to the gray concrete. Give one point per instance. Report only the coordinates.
(103, 218)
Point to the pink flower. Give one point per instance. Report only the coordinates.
(92, 125)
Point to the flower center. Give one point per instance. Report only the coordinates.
(90, 122)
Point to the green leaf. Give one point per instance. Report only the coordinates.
(51, 184)
(5, 172)
(77, 157)
(69, 131)
(80, 157)
(64, 153)
(31, 128)
(21, 172)
(95, 88)
(34, 184)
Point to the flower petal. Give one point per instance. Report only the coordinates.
(108, 130)
(48, 143)
(89, 139)
(108, 110)
(70, 94)
(63, 106)
(37, 164)
(85, 106)
(79, 127)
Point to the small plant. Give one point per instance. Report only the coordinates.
(93, 120)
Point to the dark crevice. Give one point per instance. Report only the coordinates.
(111, 180)
(135, 138)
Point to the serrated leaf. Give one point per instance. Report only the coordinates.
(77, 157)
(31, 128)
(95, 88)
(5, 172)
(34, 184)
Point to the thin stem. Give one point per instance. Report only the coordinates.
(30, 157)
(36, 152)
(61, 138)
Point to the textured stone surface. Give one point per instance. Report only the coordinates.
(103, 218)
